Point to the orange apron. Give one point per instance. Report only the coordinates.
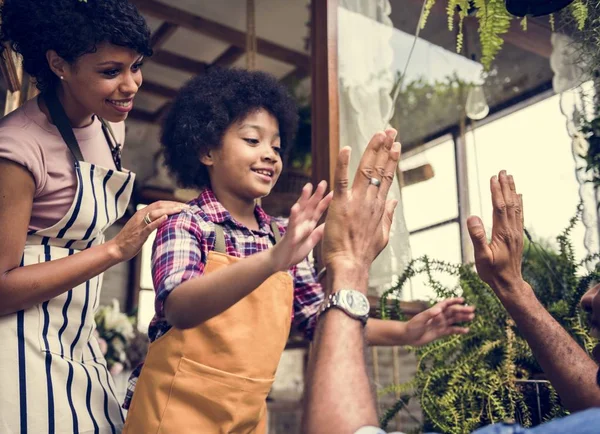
(215, 377)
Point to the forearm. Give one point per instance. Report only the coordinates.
(568, 367)
(24, 287)
(198, 300)
(339, 397)
(385, 333)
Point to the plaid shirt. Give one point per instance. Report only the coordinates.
(180, 252)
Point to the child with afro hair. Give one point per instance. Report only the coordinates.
(230, 280)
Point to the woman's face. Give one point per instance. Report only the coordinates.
(103, 83)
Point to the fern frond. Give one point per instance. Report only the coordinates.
(579, 9)
(428, 5)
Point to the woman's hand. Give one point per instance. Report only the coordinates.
(134, 234)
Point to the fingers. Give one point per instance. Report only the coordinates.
(316, 235)
(521, 220)
(381, 163)
(159, 209)
(305, 195)
(366, 167)
(478, 237)
(389, 171)
(427, 315)
(155, 224)
(508, 193)
(500, 219)
(341, 172)
(322, 206)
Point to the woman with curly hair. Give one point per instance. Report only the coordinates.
(230, 280)
(61, 187)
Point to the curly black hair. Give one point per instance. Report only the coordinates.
(207, 105)
(71, 28)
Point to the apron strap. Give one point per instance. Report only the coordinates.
(219, 240)
(115, 147)
(60, 119)
(276, 232)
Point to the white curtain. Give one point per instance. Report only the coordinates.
(366, 78)
(577, 95)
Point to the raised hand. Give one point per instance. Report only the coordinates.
(359, 218)
(134, 234)
(438, 321)
(499, 261)
(302, 233)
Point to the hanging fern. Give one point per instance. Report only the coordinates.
(494, 21)
(465, 382)
(579, 10)
(428, 5)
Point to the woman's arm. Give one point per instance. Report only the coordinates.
(24, 287)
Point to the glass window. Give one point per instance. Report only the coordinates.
(441, 243)
(435, 200)
(532, 144)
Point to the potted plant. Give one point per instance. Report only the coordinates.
(465, 382)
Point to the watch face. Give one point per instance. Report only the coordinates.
(357, 303)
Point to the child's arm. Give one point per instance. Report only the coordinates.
(434, 323)
(198, 299)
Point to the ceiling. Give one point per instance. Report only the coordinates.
(189, 36)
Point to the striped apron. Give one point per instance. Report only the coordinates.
(53, 377)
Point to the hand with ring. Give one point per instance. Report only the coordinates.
(134, 234)
(351, 244)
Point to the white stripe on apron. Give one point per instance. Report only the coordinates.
(53, 377)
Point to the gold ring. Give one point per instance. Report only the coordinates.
(147, 219)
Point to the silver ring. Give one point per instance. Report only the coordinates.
(374, 181)
(147, 219)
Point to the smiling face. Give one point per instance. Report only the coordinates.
(248, 162)
(103, 83)
(590, 302)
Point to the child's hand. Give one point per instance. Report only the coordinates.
(438, 321)
(302, 232)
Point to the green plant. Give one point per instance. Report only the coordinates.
(465, 382)
(590, 128)
(494, 21)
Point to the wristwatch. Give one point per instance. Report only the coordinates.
(353, 303)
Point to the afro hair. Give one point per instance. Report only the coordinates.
(71, 28)
(205, 108)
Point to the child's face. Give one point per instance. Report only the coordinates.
(248, 163)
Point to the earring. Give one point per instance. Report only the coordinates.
(62, 77)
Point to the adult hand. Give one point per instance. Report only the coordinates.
(358, 222)
(134, 234)
(499, 261)
(302, 233)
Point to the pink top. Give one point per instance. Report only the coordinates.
(29, 139)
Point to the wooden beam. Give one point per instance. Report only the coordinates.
(416, 175)
(536, 39)
(229, 56)
(162, 34)
(172, 60)
(325, 101)
(295, 76)
(220, 31)
(158, 89)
